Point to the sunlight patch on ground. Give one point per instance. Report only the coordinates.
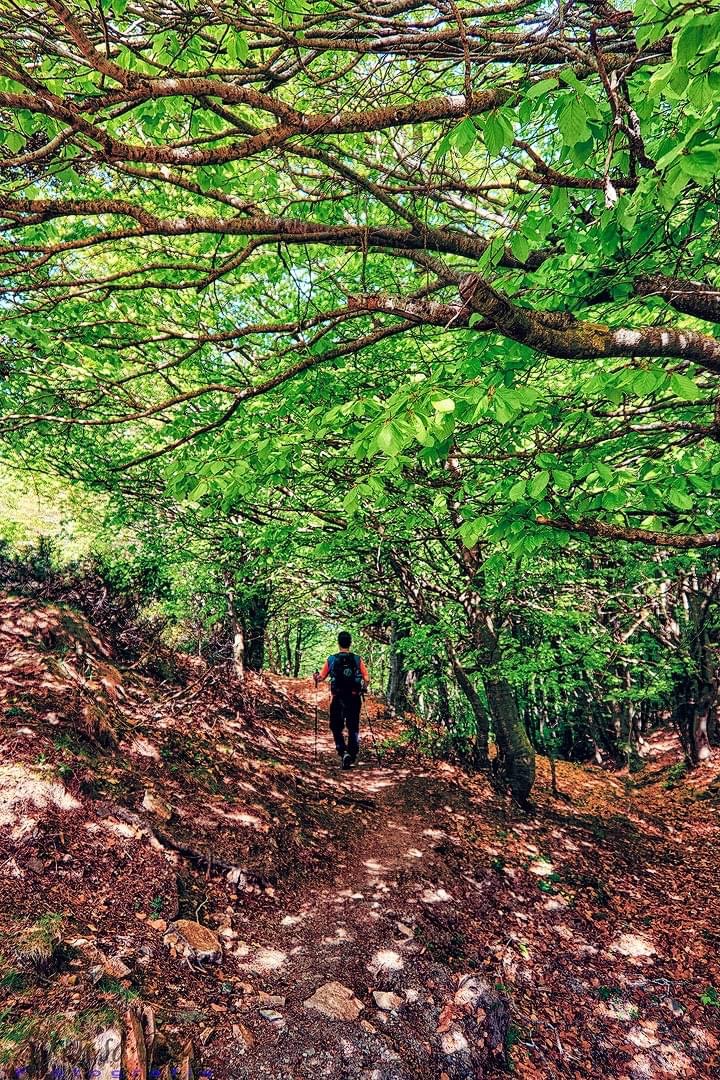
(250, 821)
(541, 868)
(340, 937)
(555, 903)
(378, 783)
(244, 785)
(385, 960)
(122, 829)
(20, 787)
(142, 746)
(264, 960)
(435, 896)
(662, 1058)
(634, 946)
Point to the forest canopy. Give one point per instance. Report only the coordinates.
(399, 313)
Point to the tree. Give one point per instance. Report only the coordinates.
(473, 235)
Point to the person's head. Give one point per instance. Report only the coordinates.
(344, 639)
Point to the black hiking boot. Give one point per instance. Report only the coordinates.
(346, 761)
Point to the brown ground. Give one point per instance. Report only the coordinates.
(595, 918)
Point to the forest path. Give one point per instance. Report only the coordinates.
(365, 927)
(431, 902)
(586, 914)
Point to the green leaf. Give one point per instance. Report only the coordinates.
(464, 135)
(421, 432)
(644, 383)
(198, 491)
(684, 388)
(702, 162)
(503, 411)
(14, 141)
(679, 499)
(560, 203)
(542, 87)
(444, 145)
(527, 395)
(538, 484)
(387, 440)
(520, 247)
(444, 405)
(471, 531)
(572, 121)
(498, 132)
(290, 12)
(493, 253)
(688, 43)
(569, 77)
(562, 479)
(613, 500)
(237, 47)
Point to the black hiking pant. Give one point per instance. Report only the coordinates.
(345, 713)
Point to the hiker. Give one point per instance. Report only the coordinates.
(348, 681)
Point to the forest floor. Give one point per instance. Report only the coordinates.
(380, 923)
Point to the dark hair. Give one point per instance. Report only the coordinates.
(344, 639)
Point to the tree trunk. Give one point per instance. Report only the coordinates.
(696, 702)
(270, 651)
(517, 757)
(238, 649)
(236, 631)
(693, 717)
(706, 701)
(444, 712)
(297, 657)
(482, 727)
(287, 664)
(397, 690)
(255, 618)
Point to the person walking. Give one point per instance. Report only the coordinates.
(348, 682)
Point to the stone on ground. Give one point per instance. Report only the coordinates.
(387, 1001)
(193, 940)
(335, 1001)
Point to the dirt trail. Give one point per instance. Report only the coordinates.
(434, 905)
(371, 927)
(572, 913)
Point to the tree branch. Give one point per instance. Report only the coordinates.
(685, 541)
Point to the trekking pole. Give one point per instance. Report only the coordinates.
(372, 732)
(316, 716)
